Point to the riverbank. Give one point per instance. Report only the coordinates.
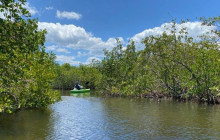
(156, 96)
(159, 96)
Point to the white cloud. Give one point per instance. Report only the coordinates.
(71, 60)
(67, 59)
(78, 39)
(31, 9)
(49, 8)
(81, 54)
(68, 15)
(2, 16)
(51, 48)
(194, 29)
(62, 50)
(73, 37)
(55, 48)
(90, 59)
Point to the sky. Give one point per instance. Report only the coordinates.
(79, 30)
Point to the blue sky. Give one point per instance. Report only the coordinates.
(78, 30)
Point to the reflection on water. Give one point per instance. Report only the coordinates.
(65, 92)
(86, 117)
(26, 124)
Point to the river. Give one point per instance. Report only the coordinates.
(89, 117)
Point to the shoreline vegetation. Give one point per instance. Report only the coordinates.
(169, 65)
(172, 64)
(26, 70)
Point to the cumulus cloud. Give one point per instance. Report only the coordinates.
(49, 8)
(81, 54)
(62, 50)
(31, 9)
(73, 37)
(55, 48)
(68, 38)
(194, 30)
(51, 48)
(68, 15)
(67, 59)
(91, 59)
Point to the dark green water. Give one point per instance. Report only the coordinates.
(85, 117)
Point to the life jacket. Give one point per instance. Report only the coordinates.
(77, 87)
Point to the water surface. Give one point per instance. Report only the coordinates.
(86, 117)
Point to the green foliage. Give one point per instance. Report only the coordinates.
(26, 70)
(186, 68)
(87, 75)
(172, 64)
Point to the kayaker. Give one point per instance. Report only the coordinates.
(77, 86)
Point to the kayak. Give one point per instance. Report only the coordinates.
(80, 91)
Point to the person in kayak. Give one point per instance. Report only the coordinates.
(77, 86)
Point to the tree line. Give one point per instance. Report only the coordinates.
(171, 64)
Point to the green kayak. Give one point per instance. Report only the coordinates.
(80, 91)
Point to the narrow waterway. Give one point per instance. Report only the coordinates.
(87, 117)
